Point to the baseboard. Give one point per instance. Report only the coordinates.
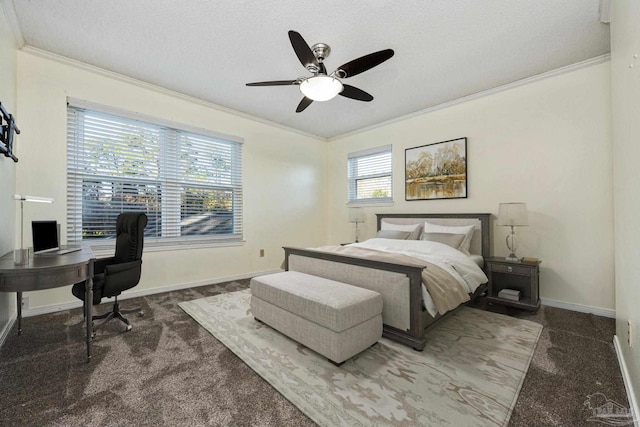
(144, 292)
(598, 311)
(134, 294)
(633, 401)
(7, 329)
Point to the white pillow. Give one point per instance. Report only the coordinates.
(414, 229)
(467, 230)
(449, 239)
(393, 234)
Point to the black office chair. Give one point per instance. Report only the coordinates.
(114, 275)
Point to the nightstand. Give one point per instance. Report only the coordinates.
(514, 275)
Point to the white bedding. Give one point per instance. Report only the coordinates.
(478, 259)
(462, 267)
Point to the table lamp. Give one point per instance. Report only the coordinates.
(21, 256)
(356, 215)
(512, 215)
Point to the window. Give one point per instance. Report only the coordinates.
(189, 184)
(369, 175)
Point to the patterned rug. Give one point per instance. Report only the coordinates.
(469, 373)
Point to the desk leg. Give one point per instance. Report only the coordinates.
(19, 295)
(88, 303)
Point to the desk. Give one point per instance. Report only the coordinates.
(50, 271)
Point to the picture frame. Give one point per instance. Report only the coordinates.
(436, 171)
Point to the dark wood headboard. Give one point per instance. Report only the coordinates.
(482, 219)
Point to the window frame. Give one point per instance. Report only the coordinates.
(169, 186)
(352, 179)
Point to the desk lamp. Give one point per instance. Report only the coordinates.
(21, 256)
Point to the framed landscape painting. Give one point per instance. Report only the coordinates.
(436, 171)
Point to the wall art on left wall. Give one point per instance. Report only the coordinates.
(436, 171)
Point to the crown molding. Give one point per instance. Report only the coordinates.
(558, 71)
(130, 80)
(10, 13)
(159, 89)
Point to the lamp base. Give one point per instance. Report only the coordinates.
(512, 244)
(512, 257)
(21, 256)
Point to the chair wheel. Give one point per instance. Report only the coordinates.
(129, 327)
(140, 313)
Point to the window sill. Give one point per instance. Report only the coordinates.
(368, 204)
(104, 250)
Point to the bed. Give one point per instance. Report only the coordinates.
(405, 314)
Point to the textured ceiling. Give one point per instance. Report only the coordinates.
(444, 49)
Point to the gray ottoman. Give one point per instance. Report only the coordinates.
(332, 318)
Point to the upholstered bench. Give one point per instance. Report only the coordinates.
(332, 318)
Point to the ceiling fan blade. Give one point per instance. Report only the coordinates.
(363, 63)
(352, 92)
(302, 50)
(303, 104)
(275, 83)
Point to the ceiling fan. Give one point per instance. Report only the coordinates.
(322, 86)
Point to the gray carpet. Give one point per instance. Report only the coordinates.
(170, 371)
(575, 357)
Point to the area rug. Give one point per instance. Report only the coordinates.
(469, 373)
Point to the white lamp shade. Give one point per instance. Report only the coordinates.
(356, 215)
(513, 214)
(321, 88)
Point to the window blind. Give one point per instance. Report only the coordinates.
(370, 175)
(188, 184)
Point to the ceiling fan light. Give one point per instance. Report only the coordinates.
(321, 88)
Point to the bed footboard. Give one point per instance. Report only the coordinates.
(413, 335)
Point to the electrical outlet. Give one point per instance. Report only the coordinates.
(261, 253)
(25, 303)
(629, 333)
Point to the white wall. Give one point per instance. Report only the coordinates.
(546, 143)
(625, 43)
(8, 54)
(284, 172)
